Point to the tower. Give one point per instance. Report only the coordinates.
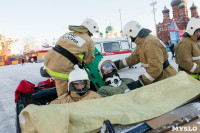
(180, 13)
(175, 4)
(183, 14)
(194, 11)
(166, 18)
(110, 31)
(180, 17)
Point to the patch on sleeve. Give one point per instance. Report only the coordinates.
(74, 38)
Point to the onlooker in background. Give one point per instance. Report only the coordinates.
(27, 59)
(171, 47)
(187, 51)
(32, 60)
(22, 61)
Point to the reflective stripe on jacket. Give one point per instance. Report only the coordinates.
(79, 44)
(195, 76)
(55, 74)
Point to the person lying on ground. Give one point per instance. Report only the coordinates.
(113, 83)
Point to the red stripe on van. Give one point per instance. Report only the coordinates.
(116, 52)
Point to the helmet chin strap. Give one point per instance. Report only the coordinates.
(89, 33)
(80, 93)
(133, 39)
(198, 38)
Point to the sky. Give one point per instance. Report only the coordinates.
(48, 19)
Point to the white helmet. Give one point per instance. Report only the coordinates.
(193, 25)
(103, 62)
(91, 25)
(108, 72)
(78, 75)
(132, 28)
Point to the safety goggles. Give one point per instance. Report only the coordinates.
(197, 30)
(79, 86)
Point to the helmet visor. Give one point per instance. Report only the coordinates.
(106, 68)
(79, 86)
(197, 30)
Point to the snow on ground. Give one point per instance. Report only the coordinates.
(11, 76)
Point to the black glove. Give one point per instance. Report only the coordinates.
(140, 79)
(135, 84)
(117, 63)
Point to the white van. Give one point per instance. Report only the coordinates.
(114, 48)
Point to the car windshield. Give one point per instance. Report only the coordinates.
(111, 46)
(125, 45)
(98, 46)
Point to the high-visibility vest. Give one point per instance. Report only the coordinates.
(196, 76)
(56, 74)
(61, 75)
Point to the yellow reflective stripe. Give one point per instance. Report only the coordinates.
(195, 76)
(60, 75)
(81, 57)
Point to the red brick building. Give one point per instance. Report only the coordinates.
(180, 16)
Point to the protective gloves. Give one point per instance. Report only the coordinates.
(141, 81)
(117, 63)
(136, 84)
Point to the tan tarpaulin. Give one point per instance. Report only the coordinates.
(136, 106)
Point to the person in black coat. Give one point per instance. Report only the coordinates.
(172, 50)
(22, 61)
